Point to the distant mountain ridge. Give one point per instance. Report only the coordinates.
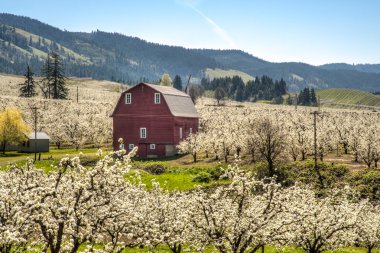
(113, 56)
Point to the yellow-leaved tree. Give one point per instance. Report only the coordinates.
(166, 80)
(13, 129)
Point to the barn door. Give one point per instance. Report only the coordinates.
(142, 151)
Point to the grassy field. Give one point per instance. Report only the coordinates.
(216, 73)
(348, 96)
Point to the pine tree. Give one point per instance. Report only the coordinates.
(28, 88)
(306, 96)
(177, 83)
(46, 73)
(313, 97)
(239, 94)
(58, 79)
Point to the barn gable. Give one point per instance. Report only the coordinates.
(178, 102)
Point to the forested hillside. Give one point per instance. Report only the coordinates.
(113, 56)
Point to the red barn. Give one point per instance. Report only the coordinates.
(154, 118)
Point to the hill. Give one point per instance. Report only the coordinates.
(113, 56)
(217, 73)
(369, 68)
(89, 90)
(349, 97)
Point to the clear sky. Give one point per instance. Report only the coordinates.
(311, 31)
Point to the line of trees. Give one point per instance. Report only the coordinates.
(53, 84)
(264, 88)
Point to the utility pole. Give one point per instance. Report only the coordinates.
(77, 94)
(35, 132)
(315, 113)
(296, 101)
(187, 86)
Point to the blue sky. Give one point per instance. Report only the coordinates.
(311, 31)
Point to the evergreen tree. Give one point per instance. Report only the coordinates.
(239, 94)
(177, 83)
(306, 94)
(58, 79)
(28, 88)
(313, 97)
(46, 73)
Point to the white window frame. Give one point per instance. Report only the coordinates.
(152, 146)
(180, 133)
(128, 98)
(143, 132)
(131, 146)
(157, 98)
(190, 130)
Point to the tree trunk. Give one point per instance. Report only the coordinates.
(270, 168)
(303, 155)
(345, 148)
(238, 149)
(195, 157)
(253, 160)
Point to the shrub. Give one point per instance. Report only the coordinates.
(155, 169)
(202, 177)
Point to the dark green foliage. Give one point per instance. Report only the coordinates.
(332, 175)
(177, 82)
(54, 82)
(216, 172)
(367, 183)
(28, 88)
(155, 169)
(260, 89)
(307, 97)
(202, 177)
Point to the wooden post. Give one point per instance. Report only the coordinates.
(315, 113)
(35, 132)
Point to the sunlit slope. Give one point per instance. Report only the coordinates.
(349, 96)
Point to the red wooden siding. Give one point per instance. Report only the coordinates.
(162, 127)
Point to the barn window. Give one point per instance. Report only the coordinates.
(152, 146)
(128, 98)
(143, 132)
(180, 132)
(131, 146)
(191, 130)
(157, 98)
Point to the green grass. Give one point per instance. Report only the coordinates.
(181, 181)
(217, 73)
(349, 96)
(13, 157)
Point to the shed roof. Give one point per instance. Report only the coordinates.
(40, 136)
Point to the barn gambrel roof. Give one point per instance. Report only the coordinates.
(179, 103)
